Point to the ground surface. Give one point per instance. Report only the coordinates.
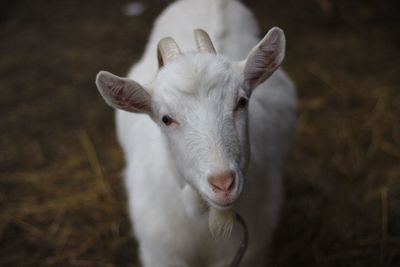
(61, 198)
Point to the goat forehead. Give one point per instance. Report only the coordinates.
(196, 74)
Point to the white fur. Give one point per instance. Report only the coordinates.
(167, 165)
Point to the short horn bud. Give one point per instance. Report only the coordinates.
(167, 51)
(203, 41)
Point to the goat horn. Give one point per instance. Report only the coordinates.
(203, 41)
(167, 51)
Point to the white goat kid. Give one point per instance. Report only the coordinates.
(196, 137)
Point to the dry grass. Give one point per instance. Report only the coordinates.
(61, 198)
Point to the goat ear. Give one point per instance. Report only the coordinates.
(123, 93)
(264, 58)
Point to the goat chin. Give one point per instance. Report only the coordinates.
(221, 222)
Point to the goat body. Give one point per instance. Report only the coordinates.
(181, 124)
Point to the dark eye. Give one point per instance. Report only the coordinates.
(242, 103)
(167, 120)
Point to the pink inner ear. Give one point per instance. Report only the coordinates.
(260, 66)
(131, 96)
(265, 58)
(270, 59)
(122, 96)
(123, 93)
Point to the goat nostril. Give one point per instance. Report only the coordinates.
(222, 182)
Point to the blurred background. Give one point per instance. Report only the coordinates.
(62, 202)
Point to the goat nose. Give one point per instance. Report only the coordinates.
(222, 182)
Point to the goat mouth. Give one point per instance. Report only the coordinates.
(220, 206)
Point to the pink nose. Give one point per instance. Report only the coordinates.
(222, 182)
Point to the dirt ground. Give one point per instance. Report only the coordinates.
(61, 198)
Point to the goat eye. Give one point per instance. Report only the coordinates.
(242, 103)
(167, 120)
